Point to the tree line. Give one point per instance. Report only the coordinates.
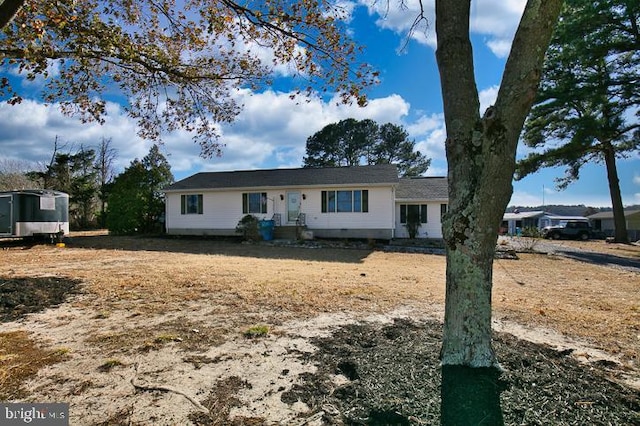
(125, 203)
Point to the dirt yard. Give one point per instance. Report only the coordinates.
(194, 331)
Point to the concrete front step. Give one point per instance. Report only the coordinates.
(285, 233)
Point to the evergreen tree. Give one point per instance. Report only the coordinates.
(586, 108)
(351, 143)
(74, 174)
(135, 203)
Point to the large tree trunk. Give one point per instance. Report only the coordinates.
(620, 222)
(481, 160)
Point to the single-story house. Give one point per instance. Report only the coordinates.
(603, 222)
(515, 222)
(337, 202)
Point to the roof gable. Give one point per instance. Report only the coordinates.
(325, 176)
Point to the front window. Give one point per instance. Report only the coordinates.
(443, 210)
(416, 210)
(254, 202)
(345, 201)
(191, 204)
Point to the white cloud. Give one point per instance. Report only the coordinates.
(488, 97)
(436, 170)
(271, 131)
(500, 47)
(30, 129)
(636, 179)
(497, 20)
(399, 19)
(429, 134)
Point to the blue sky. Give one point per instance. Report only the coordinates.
(271, 131)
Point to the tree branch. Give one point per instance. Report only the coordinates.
(8, 9)
(523, 69)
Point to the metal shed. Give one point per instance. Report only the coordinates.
(34, 213)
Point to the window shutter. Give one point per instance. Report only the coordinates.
(365, 200)
(263, 202)
(183, 204)
(423, 213)
(324, 202)
(245, 203)
(403, 213)
(200, 204)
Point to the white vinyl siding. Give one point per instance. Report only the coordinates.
(431, 229)
(223, 209)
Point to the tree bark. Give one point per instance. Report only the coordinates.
(8, 9)
(481, 161)
(620, 222)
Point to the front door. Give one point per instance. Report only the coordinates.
(293, 206)
(5, 215)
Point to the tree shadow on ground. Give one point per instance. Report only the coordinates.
(345, 251)
(609, 260)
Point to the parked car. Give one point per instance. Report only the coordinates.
(577, 229)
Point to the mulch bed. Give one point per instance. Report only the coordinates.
(20, 296)
(394, 379)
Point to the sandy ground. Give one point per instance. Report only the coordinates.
(158, 332)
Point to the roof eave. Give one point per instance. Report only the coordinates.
(284, 187)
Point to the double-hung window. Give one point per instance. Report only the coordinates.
(443, 210)
(417, 210)
(345, 201)
(254, 202)
(191, 204)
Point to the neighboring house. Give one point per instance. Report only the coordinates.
(339, 202)
(513, 223)
(603, 222)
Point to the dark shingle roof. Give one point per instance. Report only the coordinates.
(609, 214)
(357, 175)
(422, 188)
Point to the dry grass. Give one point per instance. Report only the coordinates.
(20, 359)
(243, 285)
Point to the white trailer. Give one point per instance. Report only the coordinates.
(34, 213)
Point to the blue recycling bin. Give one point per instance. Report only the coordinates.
(266, 229)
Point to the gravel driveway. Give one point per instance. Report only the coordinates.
(558, 247)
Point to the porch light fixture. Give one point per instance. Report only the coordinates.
(281, 197)
(304, 196)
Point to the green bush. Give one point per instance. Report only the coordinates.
(413, 223)
(248, 227)
(532, 232)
